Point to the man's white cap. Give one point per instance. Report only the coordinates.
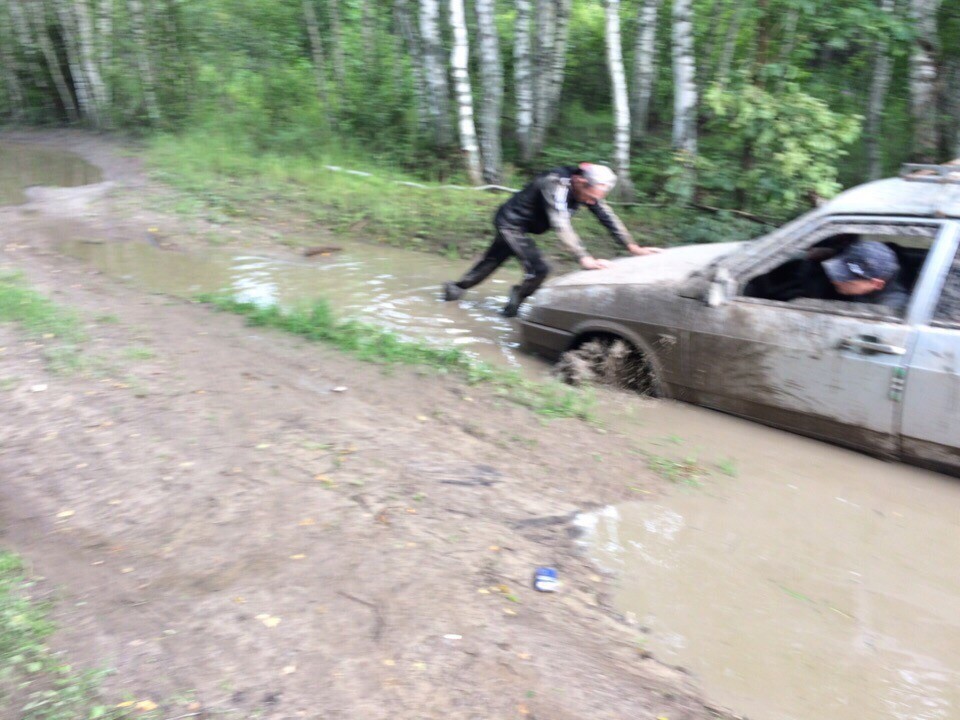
(598, 174)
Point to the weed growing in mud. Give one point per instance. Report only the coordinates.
(35, 682)
(41, 317)
(371, 343)
(688, 471)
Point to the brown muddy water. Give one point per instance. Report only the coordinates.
(395, 288)
(23, 166)
(796, 580)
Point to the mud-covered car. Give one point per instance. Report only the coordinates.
(686, 324)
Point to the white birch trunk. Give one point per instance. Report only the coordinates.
(435, 65)
(491, 75)
(559, 64)
(138, 26)
(105, 38)
(368, 24)
(459, 58)
(81, 83)
(546, 27)
(415, 53)
(88, 56)
(644, 65)
(621, 107)
(923, 80)
(684, 80)
(37, 18)
(878, 93)
(523, 79)
(316, 50)
(336, 37)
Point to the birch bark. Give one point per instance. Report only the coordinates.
(621, 107)
(459, 57)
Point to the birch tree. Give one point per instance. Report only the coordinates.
(336, 40)
(545, 22)
(644, 65)
(559, 62)
(879, 84)
(459, 57)
(72, 46)
(621, 108)
(730, 43)
(316, 50)
(401, 12)
(684, 80)
(38, 22)
(491, 77)
(523, 80)
(435, 67)
(15, 96)
(144, 63)
(89, 57)
(923, 79)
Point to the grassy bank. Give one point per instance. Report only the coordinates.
(370, 343)
(222, 181)
(59, 329)
(35, 682)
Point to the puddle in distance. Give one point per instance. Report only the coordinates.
(22, 166)
(813, 583)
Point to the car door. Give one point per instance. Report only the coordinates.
(931, 396)
(829, 369)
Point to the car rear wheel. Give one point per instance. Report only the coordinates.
(608, 361)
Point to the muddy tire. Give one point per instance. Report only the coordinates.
(607, 361)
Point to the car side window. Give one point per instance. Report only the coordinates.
(800, 280)
(948, 308)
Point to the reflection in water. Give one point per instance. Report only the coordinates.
(22, 166)
(817, 583)
(392, 287)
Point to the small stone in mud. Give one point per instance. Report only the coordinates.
(321, 250)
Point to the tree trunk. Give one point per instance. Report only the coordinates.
(621, 107)
(684, 80)
(368, 24)
(439, 93)
(546, 35)
(316, 50)
(459, 59)
(415, 53)
(89, 56)
(523, 80)
(336, 38)
(491, 77)
(644, 65)
(81, 82)
(878, 94)
(105, 12)
(730, 44)
(923, 80)
(559, 64)
(147, 81)
(37, 18)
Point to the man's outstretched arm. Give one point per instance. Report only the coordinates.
(555, 192)
(617, 229)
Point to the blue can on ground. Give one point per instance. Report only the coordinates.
(545, 579)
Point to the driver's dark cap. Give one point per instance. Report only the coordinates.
(862, 260)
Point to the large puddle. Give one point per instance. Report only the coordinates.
(23, 166)
(797, 580)
(395, 288)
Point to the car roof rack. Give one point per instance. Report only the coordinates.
(931, 173)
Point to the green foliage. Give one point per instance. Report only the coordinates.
(317, 322)
(789, 144)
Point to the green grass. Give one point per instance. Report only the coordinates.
(35, 682)
(139, 353)
(371, 343)
(222, 182)
(41, 318)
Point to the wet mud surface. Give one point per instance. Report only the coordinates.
(220, 521)
(220, 526)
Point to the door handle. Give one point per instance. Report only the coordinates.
(870, 345)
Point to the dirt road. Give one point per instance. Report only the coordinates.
(223, 524)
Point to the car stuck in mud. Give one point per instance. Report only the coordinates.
(697, 324)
